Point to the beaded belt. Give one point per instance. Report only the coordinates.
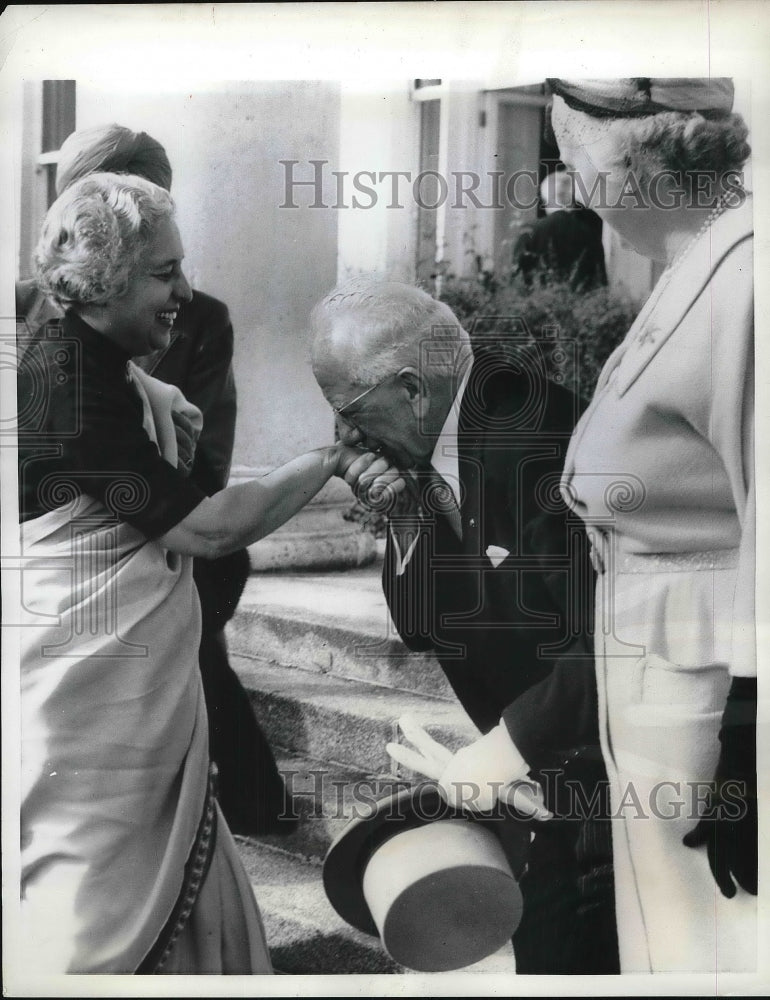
(195, 872)
(666, 562)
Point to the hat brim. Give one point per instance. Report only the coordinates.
(389, 815)
(642, 97)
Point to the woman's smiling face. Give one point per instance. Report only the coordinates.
(140, 321)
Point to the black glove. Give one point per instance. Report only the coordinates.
(729, 827)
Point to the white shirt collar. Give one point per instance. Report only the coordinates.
(445, 458)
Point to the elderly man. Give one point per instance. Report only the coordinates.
(482, 566)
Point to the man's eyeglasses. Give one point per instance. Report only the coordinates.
(339, 410)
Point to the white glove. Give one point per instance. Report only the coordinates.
(477, 775)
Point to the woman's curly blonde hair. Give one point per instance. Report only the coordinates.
(95, 235)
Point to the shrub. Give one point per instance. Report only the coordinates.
(576, 331)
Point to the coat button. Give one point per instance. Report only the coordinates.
(472, 522)
(649, 336)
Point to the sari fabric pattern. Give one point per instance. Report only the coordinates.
(115, 762)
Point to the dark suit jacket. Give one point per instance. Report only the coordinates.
(514, 642)
(567, 244)
(199, 360)
(499, 631)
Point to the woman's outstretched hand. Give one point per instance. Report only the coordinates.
(374, 481)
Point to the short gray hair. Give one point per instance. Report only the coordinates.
(95, 235)
(396, 319)
(689, 143)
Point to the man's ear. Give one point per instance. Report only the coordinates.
(417, 391)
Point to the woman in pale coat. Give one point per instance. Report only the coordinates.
(661, 470)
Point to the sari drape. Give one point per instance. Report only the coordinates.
(114, 744)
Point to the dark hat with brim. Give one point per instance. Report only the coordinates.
(433, 882)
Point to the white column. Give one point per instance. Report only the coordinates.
(377, 213)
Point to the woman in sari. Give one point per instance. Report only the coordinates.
(198, 358)
(660, 468)
(127, 863)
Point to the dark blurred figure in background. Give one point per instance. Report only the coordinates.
(566, 243)
(198, 360)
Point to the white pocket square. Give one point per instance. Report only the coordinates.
(496, 554)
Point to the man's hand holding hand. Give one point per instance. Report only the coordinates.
(374, 481)
(476, 776)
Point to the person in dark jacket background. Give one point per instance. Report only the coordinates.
(198, 359)
(566, 242)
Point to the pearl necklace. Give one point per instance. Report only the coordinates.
(721, 205)
(644, 333)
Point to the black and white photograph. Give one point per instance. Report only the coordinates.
(384, 460)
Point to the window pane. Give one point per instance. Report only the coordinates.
(58, 113)
(518, 149)
(430, 116)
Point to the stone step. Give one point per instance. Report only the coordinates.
(328, 684)
(340, 720)
(333, 623)
(305, 934)
(318, 537)
(325, 797)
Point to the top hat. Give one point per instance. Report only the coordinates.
(435, 883)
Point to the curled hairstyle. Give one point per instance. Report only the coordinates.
(95, 236)
(689, 143)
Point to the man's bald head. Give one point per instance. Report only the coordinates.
(367, 330)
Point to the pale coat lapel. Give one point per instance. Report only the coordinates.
(691, 278)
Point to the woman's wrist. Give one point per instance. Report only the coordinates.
(327, 457)
(335, 453)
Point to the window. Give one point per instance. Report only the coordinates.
(58, 122)
(48, 116)
(515, 143)
(473, 145)
(427, 216)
